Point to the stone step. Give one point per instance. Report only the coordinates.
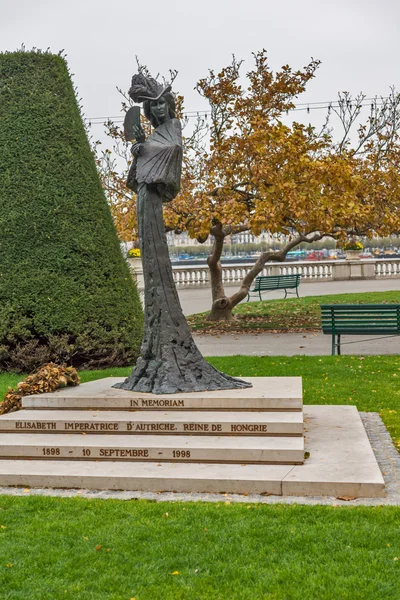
(231, 449)
(153, 422)
(267, 393)
(341, 463)
(144, 476)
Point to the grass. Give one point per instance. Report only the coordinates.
(291, 314)
(54, 548)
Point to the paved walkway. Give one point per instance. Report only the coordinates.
(291, 344)
(195, 300)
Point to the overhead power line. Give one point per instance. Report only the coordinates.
(307, 107)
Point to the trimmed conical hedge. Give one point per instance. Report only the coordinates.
(66, 293)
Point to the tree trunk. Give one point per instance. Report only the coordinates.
(221, 309)
(222, 305)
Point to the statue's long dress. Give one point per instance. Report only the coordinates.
(170, 361)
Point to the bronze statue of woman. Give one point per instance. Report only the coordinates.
(170, 361)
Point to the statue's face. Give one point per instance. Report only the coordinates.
(159, 110)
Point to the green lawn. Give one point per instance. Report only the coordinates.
(54, 548)
(291, 314)
(82, 549)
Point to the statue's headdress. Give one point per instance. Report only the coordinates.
(146, 88)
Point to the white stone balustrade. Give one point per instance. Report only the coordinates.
(199, 276)
(389, 267)
(195, 276)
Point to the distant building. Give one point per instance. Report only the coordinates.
(183, 239)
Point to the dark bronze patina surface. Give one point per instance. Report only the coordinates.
(170, 361)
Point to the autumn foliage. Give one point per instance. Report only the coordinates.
(253, 169)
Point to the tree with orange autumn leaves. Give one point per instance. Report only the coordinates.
(252, 171)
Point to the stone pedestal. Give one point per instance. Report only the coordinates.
(237, 441)
(136, 267)
(353, 254)
(353, 269)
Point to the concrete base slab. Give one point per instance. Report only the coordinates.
(341, 463)
(267, 393)
(154, 422)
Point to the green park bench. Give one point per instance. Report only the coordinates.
(359, 319)
(269, 283)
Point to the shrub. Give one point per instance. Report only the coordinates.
(66, 294)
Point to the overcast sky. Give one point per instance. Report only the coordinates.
(357, 41)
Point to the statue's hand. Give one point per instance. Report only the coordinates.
(139, 134)
(135, 149)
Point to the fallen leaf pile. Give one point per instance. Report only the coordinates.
(46, 379)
